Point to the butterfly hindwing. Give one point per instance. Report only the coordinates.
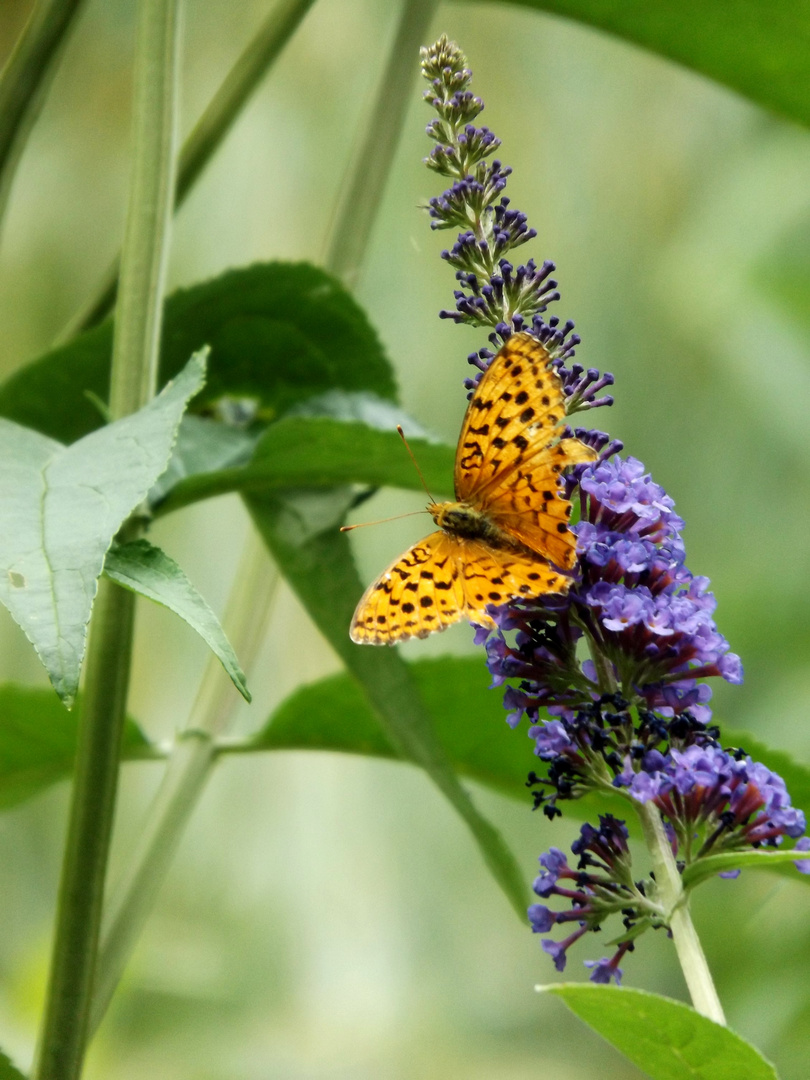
(443, 579)
(419, 593)
(494, 576)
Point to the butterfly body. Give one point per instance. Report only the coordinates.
(462, 520)
(506, 536)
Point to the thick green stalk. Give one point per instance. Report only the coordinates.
(210, 130)
(193, 757)
(362, 192)
(24, 81)
(134, 366)
(673, 899)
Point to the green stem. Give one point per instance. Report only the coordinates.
(675, 902)
(245, 618)
(245, 623)
(362, 192)
(209, 132)
(134, 366)
(64, 1031)
(24, 81)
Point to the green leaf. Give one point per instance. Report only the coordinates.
(278, 332)
(145, 569)
(321, 572)
(38, 743)
(756, 47)
(298, 452)
(203, 446)
(664, 1038)
(761, 859)
(61, 507)
(8, 1071)
(468, 719)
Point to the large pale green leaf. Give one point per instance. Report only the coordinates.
(145, 569)
(38, 742)
(757, 47)
(321, 571)
(60, 508)
(664, 1038)
(279, 333)
(318, 452)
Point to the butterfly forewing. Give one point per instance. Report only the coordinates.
(511, 455)
(515, 410)
(530, 506)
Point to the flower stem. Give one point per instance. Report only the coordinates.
(134, 365)
(24, 81)
(362, 192)
(208, 133)
(675, 901)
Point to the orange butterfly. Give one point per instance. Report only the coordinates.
(507, 536)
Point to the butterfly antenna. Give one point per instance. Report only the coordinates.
(396, 517)
(401, 434)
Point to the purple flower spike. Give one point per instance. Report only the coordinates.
(611, 675)
(492, 291)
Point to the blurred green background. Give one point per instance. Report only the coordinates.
(328, 917)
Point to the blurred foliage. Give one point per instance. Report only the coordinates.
(327, 915)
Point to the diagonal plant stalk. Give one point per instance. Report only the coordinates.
(371, 162)
(65, 1025)
(245, 624)
(194, 756)
(25, 79)
(208, 133)
(673, 898)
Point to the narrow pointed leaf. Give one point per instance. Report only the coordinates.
(760, 859)
(666, 1039)
(60, 508)
(145, 569)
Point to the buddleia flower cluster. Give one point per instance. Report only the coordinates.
(610, 677)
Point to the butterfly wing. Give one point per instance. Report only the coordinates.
(511, 452)
(528, 502)
(419, 593)
(441, 580)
